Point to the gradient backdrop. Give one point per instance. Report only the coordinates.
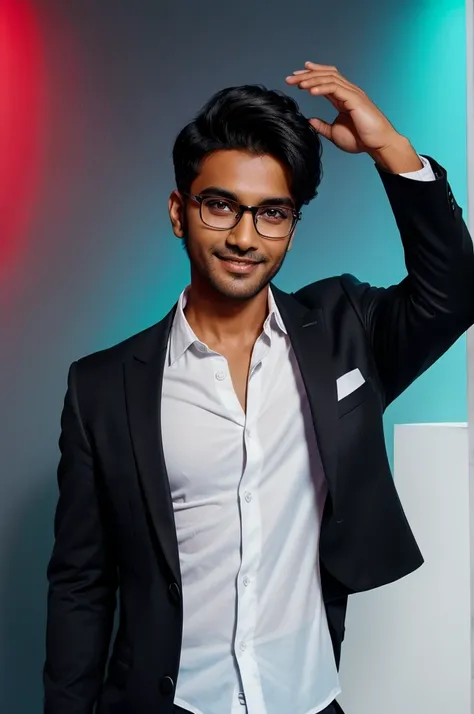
(91, 98)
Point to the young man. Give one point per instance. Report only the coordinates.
(225, 469)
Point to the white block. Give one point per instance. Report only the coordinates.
(407, 648)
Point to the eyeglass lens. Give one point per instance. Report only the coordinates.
(271, 221)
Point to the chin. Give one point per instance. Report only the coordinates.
(239, 289)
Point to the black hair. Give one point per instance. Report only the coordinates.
(258, 120)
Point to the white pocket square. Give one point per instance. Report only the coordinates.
(348, 383)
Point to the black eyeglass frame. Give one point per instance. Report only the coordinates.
(199, 198)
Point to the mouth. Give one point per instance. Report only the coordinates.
(238, 265)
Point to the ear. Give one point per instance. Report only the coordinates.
(176, 212)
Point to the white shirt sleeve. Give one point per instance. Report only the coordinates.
(424, 174)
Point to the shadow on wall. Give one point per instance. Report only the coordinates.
(23, 590)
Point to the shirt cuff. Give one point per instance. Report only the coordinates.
(424, 174)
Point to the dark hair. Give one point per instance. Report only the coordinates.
(259, 120)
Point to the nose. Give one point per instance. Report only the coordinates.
(244, 235)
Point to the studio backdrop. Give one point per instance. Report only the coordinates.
(92, 96)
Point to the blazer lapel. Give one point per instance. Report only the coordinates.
(311, 345)
(143, 376)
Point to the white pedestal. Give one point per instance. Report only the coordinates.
(407, 648)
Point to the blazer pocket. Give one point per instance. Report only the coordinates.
(354, 399)
(118, 672)
(119, 664)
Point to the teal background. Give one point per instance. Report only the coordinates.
(101, 263)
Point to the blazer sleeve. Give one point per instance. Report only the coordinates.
(410, 325)
(82, 575)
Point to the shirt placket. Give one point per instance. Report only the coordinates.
(251, 695)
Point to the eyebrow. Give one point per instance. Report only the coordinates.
(271, 200)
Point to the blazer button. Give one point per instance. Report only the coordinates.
(175, 593)
(166, 685)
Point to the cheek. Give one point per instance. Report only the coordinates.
(199, 247)
(278, 255)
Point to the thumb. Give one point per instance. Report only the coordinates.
(322, 127)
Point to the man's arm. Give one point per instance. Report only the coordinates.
(82, 576)
(410, 325)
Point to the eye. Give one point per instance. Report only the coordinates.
(274, 214)
(219, 205)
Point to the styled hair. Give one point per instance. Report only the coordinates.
(255, 119)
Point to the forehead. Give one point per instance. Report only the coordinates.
(249, 176)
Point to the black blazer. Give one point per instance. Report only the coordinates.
(114, 523)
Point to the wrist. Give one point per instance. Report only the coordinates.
(397, 157)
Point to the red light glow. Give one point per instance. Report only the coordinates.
(21, 125)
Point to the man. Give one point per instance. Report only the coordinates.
(226, 468)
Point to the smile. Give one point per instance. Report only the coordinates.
(236, 265)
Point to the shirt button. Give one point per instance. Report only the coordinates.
(243, 646)
(220, 376)
(248, 432)
(246, 581)
(248, 496)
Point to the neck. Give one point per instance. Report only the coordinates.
(217, 319)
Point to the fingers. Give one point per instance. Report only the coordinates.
(335, 89)
(322, 127)
(313, 65)
(336, 92)
(315, 79)
(307, 78)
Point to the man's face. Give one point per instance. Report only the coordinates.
(251, 180)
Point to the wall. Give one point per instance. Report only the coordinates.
(94, 95)
(470, 335)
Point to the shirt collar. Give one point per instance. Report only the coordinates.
(274, 316)
(182, 336)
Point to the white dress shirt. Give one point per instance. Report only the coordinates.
(248, 493)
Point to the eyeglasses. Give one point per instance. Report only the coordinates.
(223, 214)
